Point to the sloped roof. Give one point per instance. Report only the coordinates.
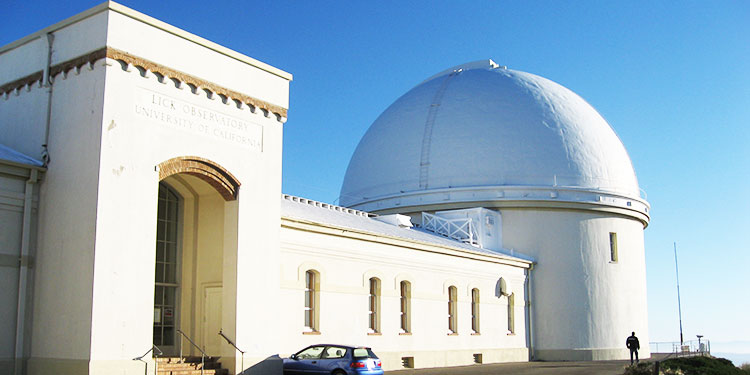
(9, 154)
(341, 217)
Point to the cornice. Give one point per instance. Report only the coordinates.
(162, 71)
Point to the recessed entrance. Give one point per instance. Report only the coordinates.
(196, 242)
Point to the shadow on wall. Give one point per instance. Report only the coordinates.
(272, 365)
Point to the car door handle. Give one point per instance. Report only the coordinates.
(314, 362)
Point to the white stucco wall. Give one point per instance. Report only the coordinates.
(94, 297)
(67, 224)
(345, 266)
(128, 189)
(584, 305)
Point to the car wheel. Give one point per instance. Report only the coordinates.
(338, 372)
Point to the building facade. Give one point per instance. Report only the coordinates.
(140, 178)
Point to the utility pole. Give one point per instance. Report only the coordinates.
(679, 305)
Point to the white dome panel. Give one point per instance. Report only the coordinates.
(483, 126)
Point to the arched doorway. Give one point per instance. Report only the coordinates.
(196, 243)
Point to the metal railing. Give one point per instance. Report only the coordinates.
(684, 349)
(157, 353)
(458, 229)
(203, 354)
(242, 353)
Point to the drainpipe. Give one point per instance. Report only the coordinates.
(24, 269)
(527, 303)
(47, 82)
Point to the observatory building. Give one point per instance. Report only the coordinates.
(537, 168)
(488, 215)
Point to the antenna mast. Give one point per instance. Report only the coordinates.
(679, 305)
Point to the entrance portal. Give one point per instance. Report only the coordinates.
(196, 250)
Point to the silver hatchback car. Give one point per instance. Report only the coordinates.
(332, 359)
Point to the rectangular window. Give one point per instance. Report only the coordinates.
(511, 314)
(310, 305)
(475, 310)
(613, 247)
(405, 307)
(452, 318)
(167, 279)
(374, 306)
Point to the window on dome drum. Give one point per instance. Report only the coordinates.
(452, 313)
(374, 306)
(612, 247)
(405, 307)
(475, 310)
(311, 300)
(511, 314)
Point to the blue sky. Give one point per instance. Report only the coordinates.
(672, 78)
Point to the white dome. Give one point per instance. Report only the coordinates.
(483, 132)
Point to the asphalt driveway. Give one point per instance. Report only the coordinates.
(526, 368)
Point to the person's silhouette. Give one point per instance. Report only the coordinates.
(633, 344)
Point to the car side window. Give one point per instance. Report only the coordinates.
(312, 352)
(334, 352)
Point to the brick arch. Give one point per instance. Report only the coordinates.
(215, 175)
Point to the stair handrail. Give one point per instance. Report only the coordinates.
(156, 355)
(242, 353)
(203, 354)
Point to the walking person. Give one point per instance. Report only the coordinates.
(633, 344)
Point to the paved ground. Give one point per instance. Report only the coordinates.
(526, 368)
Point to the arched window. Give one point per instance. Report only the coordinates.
(405, 307)
(511, 314)
(374, 306)
(475, 310)
(452, 313)
(312, 298)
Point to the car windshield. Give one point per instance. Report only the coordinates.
(364, 353)
(313, 352)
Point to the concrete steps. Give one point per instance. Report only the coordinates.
(189, 366)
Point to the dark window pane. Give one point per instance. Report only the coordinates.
(171, 252)
(172, 210)
(159, 295)
(168, 338)
(159, 251)
(171, 231)
(159, 272)
(161, 227)
(170, 296)
(170, 273)
(157, 335)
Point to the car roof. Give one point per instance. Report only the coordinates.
(342, 346)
